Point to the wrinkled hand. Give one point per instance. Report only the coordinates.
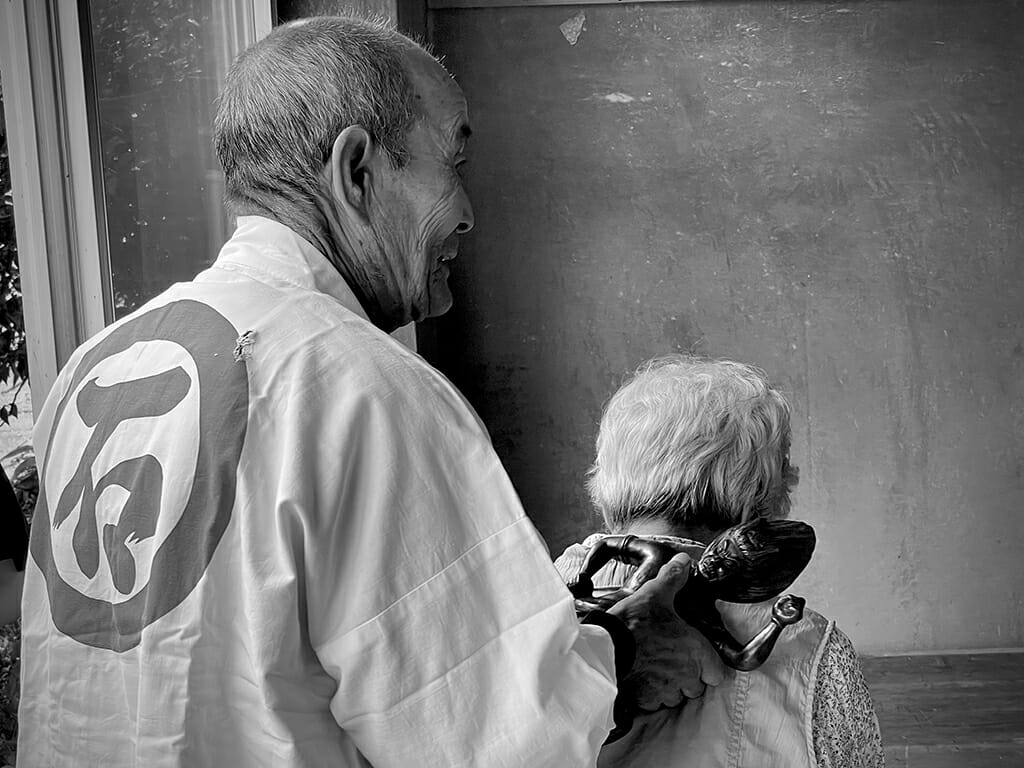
(673, 660)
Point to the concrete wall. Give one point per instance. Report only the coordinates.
(834, 191)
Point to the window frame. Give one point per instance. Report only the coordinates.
(59, 209)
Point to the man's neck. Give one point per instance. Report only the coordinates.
(315, 222)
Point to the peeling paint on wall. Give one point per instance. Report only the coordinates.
(623, 98)
(572, 27)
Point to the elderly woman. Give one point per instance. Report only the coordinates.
(686, 449)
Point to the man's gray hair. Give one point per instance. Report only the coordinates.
(288, 97)
(693, 442)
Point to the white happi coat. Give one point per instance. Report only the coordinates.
(270, 535)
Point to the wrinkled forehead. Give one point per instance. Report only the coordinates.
(436, 95)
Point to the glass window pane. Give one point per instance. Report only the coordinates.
(157, 67)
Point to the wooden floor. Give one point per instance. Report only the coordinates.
(950, 710)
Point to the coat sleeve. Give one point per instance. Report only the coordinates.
(431, 598)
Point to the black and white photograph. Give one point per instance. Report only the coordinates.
(511, 384)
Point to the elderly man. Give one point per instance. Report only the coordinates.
(267, 533)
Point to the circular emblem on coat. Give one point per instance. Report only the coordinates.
(138, 481)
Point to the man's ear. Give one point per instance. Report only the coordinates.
(350, 168)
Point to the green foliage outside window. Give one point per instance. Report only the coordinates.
(13, 373)
(13, 351)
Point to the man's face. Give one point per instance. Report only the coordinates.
(426, 205)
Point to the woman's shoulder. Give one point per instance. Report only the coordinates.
(844, 723)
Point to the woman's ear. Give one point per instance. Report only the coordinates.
(350, 169)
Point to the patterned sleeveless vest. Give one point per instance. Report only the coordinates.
(759, 719)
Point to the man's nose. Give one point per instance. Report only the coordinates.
(467, 221)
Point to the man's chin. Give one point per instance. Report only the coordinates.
(440, 305)
(434, 306)
(439, 295)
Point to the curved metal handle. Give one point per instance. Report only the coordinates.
(787, 610)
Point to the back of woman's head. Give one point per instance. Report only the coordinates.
(697, 443)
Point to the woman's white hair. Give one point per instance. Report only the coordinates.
(693, 442)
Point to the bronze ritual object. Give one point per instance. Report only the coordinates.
(748, 563)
